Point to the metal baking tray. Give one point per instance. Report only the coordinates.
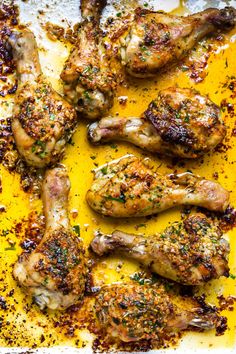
(28, 327)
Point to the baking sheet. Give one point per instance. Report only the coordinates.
(80, 161)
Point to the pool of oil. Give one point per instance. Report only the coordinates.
(23, 324)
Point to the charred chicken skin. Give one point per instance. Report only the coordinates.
(43, 122)
(88, 82)
(55, 272)
(129, 187)
(179, 122)
(132, 312)
(190, 252)
(155, 40)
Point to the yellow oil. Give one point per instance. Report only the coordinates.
(27, 326)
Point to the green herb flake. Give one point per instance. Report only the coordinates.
(76, 229)
(5, 232)
(104, 170)
(184, 68)
(183, 248)
(186, 119)
(86, 95)
(39, 148)
(143, 48)
(136, 277)
(45, 281)
(52, 116)
(87, 69)
(177, 115)
(76, 260)
(28, 109)
(44, 90)
(11, 248)
(120, 199)
(42, 155)
(232, 276)
(40, 143)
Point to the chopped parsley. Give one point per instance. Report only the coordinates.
(38, 146)
(76, 229)
(104, 170)
(86, 95)
(186, 119)
(120, 199)
(87, 69)
(232, 276)
(136, 277)
(5, 232)
(184, 68)
(52, 116)
(11, 248)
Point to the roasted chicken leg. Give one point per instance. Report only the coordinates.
(129, 187)
(43, 122)
(157, 39)
(190, 252)
(179, 122)
(55, 272)
(131, 312)
(87, 77)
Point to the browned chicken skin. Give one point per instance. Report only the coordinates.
(87, 77)
(153, 40)
(129, 187)
(190, 252)
(43, 122)
(179, 122)
(132, 312)
(156, 40)
(55, 272)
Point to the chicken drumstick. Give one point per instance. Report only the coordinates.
(129, 187)
(132, 312)
(179, 122)
(190, 252)
(87, 78)
(43, 122)
(55, 272)
(156, 40)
